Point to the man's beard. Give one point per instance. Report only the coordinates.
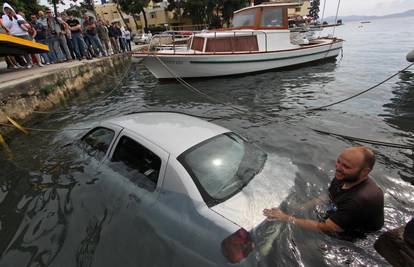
(351, 178)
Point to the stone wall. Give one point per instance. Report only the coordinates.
(44, 92)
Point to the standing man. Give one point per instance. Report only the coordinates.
(77, 40)
(103, 36)
(92, 35)
(40, 36)
(53, 32)
(113, 38)
(128, 38)
(358, 203)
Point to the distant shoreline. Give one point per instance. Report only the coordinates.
(409, 13)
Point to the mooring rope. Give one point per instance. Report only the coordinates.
(43, 129)
(364, 140)
(359, 93)
(375, 142)
(118, 84)
(194, 89)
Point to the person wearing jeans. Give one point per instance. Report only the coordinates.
(40, 37)
(91, 34)
(53, 30)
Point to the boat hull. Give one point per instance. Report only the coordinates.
(168, 66)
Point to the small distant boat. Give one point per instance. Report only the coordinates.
(259, 40)
(364, 22)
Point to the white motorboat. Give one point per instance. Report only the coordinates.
(259, 40)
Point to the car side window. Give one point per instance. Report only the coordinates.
(96, 143)
(137, 163)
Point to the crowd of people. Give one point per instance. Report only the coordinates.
(66, 36)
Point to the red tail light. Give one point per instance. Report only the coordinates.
(237, 246)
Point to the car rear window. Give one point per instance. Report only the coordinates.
(222, 166)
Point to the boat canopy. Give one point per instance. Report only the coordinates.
(264, 16)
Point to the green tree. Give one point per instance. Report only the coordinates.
(135, 7)
(196, 10)
(314, 9)
(211, 12)
(176, 6)
(229, 6)
(28, 7)
(54, 3)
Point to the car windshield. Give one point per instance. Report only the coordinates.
(222, 166)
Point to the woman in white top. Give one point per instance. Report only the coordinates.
(16, 25)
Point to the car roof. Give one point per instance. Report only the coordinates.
(173, 132)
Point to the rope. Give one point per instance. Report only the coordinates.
(360, 93)
(121, 79)
(46, 130)
(193, 89)
(179, 112)
(368, 141)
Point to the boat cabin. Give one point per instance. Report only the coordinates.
(260, 28)
(263, 17)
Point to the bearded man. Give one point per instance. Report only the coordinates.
(357, 202)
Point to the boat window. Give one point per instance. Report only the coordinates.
(232, 44)
(198, 44)
(97, 142)
(137, 163)
(222, 166)
(272, 17)
(244, 19)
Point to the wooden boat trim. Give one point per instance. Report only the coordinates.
(261, 60)
(240, 53)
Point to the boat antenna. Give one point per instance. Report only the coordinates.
(323, 16)
(336, 17)
(323, 11)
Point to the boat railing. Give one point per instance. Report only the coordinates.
(183, 41)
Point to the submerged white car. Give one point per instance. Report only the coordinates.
(189, 176)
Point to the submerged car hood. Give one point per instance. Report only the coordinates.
(268, 189)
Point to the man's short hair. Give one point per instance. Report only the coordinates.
(369, 157)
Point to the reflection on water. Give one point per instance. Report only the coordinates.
(56, 209)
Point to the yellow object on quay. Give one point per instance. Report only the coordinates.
(11, 45)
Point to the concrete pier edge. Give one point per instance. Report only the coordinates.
(44, 89)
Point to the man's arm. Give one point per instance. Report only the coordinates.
(326, 226)
(75, 28)
(322, 199)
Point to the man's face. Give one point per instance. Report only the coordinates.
(350, 166)
(49, 13)
(8, 11)
(33, 18)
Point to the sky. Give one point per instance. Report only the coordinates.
(366, 7)
(348, 7)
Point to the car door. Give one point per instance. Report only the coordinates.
(130, 175)
(139, 161)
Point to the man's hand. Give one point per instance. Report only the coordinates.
(327, 226)
(275, 214)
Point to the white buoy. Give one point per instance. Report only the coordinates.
(410, 56)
